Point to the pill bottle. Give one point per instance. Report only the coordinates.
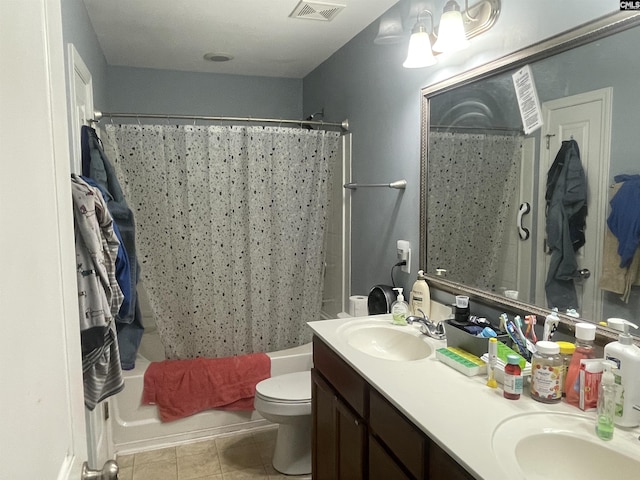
(512, 385)
(546, 373)
(566, 352)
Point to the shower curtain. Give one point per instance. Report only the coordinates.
(231, 226)
(473, 181)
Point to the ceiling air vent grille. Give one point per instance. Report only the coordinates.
(316, 10)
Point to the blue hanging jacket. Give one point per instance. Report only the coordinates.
(624, 219)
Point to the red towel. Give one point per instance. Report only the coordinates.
(183, 387)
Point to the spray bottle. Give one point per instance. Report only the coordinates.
(607, 393)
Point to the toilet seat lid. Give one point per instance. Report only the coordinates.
(292, 387)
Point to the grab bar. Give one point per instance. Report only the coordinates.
(398, 184)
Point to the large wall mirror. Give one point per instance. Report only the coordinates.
(483, 177)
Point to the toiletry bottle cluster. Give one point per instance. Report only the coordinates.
(615, 378)
(610, 386)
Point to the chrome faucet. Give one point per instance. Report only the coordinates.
(427, 327)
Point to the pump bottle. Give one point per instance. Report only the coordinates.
(585, 335)
(420, 297)
(400, 309)
(626, 356)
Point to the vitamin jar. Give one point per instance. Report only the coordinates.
(546, 373)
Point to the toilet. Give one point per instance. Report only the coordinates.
(286, 400)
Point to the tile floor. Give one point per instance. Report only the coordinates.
(243, 456)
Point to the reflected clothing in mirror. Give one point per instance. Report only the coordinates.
(566, 210)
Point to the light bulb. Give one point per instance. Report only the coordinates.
(451, 35)
(419, 54)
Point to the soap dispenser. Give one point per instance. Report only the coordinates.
(400, 309)
(626, 356)
(420, 297)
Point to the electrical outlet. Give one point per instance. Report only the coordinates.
(404, 253)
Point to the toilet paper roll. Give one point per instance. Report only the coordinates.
(358, 306)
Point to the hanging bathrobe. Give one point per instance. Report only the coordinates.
(99, 296)
(566, 200)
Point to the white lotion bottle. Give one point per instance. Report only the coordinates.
(400, 309)
(626, 356)
(420, 297)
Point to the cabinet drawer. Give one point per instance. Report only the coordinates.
(400, 436)
(346, 381)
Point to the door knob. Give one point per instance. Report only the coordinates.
(109, 471)
(584, 273)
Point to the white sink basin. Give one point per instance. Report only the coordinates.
(548, 446)
(386, 341)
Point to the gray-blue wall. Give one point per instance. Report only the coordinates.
(366, 83)
(77, 30)
(144, 90)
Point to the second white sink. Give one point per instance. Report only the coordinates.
(548, 446)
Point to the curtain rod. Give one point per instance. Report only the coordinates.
(97, 116)
(453, 128)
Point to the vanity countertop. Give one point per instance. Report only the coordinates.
(460, 413)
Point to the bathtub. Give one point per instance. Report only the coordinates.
(137, 427)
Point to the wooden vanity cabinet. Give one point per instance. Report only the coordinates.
(340, 405)
(359, 434)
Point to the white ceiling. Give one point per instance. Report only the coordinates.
(259, 34)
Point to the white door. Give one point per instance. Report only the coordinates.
(587, 119)
(43, 430)
(100, 445)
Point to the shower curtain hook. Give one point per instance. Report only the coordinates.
(167, 119)
(138, 119)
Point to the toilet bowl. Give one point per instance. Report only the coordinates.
(286, 400)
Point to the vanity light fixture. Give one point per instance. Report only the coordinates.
(420, 53)
(455, 29)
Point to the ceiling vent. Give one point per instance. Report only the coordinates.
(316, 10)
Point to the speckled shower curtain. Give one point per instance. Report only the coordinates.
(230, 224)
(478, 174)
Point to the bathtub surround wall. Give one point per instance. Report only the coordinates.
(230, 231)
